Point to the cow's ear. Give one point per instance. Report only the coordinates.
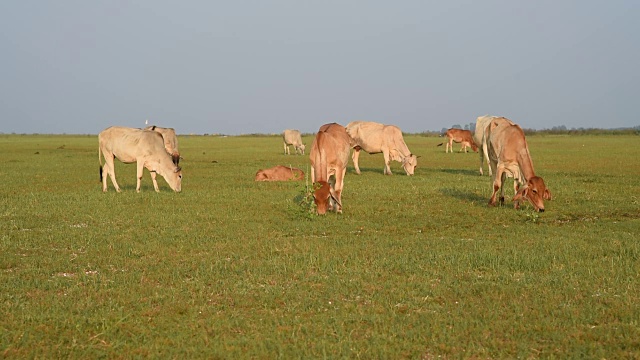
(547, 195)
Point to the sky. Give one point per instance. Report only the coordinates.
(244, 67)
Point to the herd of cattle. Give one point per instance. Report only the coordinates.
(502, 143)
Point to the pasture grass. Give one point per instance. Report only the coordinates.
(415, 267)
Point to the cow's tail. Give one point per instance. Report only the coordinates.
(440, 144)
(100, 161)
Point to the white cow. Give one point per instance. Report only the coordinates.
(170, 141)
(480, 138)
(293, 137)
(145, 148)
(377, 138)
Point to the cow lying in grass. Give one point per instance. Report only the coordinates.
(280, 173)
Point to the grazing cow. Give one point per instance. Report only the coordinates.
(329, 156)
(293, 137)
(509, 156)
(377, 138)
(170, 141)
(459, 136)
(280, 173)
(144, 147)
(480, 138)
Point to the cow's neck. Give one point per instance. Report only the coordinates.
(525, 164)
(401, 153)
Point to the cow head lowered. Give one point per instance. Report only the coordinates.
(172, 176)
(535, 191)
(324, 198)
(410, 163)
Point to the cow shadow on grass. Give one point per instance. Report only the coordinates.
(363, 170)
(461, 172)
(463, 195)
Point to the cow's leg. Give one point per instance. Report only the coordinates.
(285, 148)
(153, 178)
(485, 154)
(387, 163)
(110, 166)
(338, 188)
(140, 168)
(496, 186)
(354, 156)
(104, 172)
(503, 178)
(313, 175)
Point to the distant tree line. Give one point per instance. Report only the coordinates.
(556, 130)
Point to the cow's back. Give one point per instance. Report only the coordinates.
(369, 135)
(292, 137)
(129, 144)
(330, 149)
(505, 135)
(482, 122)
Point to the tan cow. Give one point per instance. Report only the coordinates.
(459, 136)
(145, 148)
(329, 156)
(509, 157)
(293, 137)
(170, 141)
(280, 173)
(377, 138)
(480, 138)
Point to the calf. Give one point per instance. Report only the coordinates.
(459, 136)
(329, 156)
(280, 173)
(509, 156)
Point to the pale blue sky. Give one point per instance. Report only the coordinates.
(237, 67)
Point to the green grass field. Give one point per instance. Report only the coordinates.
(415, 267)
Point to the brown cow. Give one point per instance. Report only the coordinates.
(329, 156)
(509, 156)
(144, 147)
(377, 138)
(170, 141)
(459, 136)
(280, 173)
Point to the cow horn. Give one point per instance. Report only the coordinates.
(177, 169)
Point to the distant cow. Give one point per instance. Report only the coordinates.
(459, 136)
(293, 137)
(377, 138)
(329, 156)
(509, 156)
(170, 141)
(480, 138)
(144, 147)
(280, 173)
